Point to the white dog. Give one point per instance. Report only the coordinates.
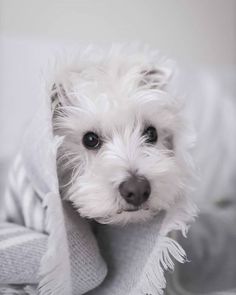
(125, 153)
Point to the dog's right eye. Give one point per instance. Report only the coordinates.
(151, 134)
(91, 141)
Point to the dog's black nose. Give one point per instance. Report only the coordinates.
(135, 190)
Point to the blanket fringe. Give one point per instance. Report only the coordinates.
(161, 258)
(153, 281)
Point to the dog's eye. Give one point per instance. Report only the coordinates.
(91, 141)
(150, 134)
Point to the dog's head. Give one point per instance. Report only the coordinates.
(124, 156)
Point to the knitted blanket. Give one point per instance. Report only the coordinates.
(47, 248)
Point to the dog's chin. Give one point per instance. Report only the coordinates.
(126, 216)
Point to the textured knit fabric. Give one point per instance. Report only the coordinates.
(67, 260)
(20, 252)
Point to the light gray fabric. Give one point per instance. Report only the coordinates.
(21, 250)
(135, 244)
(88, 269)
(71, 262)
(21, 204)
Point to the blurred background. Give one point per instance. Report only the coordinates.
(199, 35)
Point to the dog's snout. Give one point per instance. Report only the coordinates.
(135, 190)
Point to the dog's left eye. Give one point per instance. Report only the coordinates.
(150, 134)
(91, 141)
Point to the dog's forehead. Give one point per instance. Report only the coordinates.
(118, 98)
(108, 112)
(111, 111)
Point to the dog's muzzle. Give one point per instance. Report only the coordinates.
(135, 190)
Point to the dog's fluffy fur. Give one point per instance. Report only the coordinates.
(117, 94)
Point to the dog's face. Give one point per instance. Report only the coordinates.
(123, 156)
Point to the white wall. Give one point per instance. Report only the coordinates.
(201, 31)
(193, 32)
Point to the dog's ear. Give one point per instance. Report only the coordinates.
(59, 97)
(156, 78)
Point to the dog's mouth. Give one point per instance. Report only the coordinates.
(129, 214)
(133, 209)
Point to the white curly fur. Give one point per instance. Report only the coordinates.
(117, 93)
